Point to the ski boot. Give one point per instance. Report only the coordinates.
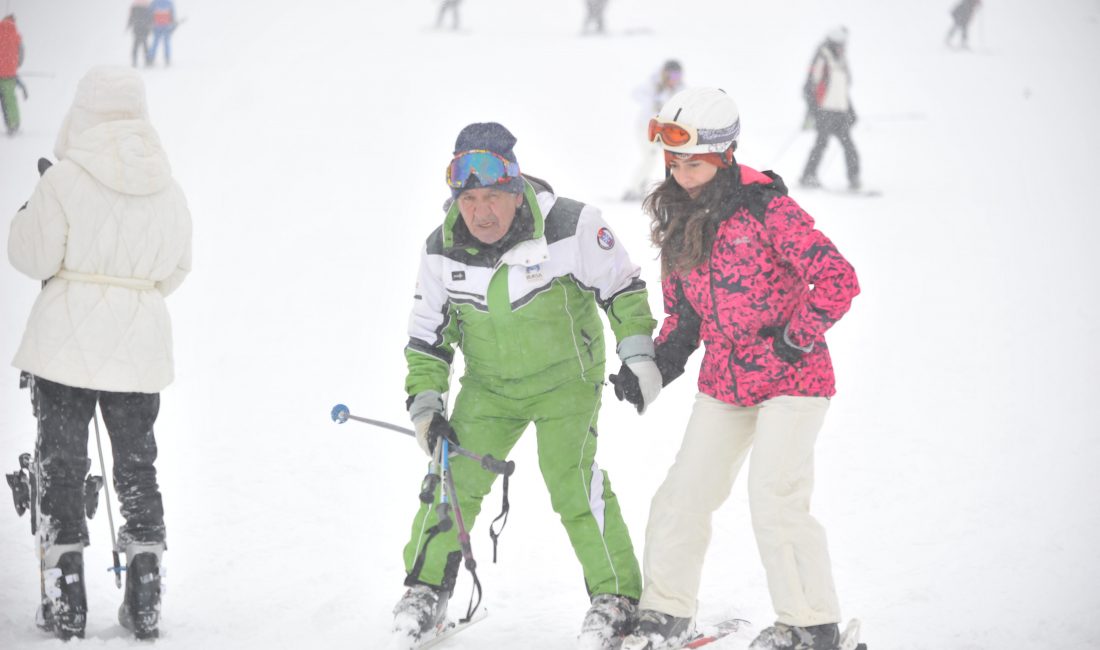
(421, 610)
(657, 631)
(64, 608)
(610, 618)
(791, 637)
(140, 609)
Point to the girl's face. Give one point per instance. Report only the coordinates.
(692, 174)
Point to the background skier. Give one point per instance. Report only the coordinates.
(665, 83)
(110, 231)
(164, 25)
(140, 22)
(745, 273)
(452, 7)
(827, 95)
(11, 58)
(593, 21)
(962, 14)
(514, 277)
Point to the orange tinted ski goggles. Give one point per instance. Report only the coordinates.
(672, 134)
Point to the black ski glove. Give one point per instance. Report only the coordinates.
(626, 387)
(440, 428)
(783, 350)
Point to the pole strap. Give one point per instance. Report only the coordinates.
(494, 533)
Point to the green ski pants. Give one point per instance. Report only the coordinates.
(580, 492)
(8, 104)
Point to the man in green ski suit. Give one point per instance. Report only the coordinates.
(513, 277)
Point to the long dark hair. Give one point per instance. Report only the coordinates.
(684, 228)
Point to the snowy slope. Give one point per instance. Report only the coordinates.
(955, 471)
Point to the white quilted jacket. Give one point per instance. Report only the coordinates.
(111, 230)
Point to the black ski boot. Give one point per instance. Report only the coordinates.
(662, 631)
(64, 609)
(790, 637)
(421, 609)
(609, 619)
(140, 609)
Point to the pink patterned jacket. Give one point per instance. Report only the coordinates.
(768, 267)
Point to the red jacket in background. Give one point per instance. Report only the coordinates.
(10, 42)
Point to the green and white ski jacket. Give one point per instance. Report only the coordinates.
(525, 319)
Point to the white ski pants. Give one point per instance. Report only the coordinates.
(781, 432)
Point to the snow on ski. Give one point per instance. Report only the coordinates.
(705, 637)
(849, 640)
(442, 632)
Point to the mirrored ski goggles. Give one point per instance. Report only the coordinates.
(674, 134)
(490, 169)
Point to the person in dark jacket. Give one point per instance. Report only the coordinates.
(141, 23)
(962, 14)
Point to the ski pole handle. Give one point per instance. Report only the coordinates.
(428, 488)
(504, 468)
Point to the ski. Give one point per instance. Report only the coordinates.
(719, 631)
(705, 637)
(867, 193)
(441, 633)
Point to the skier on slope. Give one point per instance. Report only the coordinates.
(593, 20)
(668, 81)
(745, 273)
(164, 25)
(11, 57)
(826, 93)
(513, 277)
(446, 6)
(961, 16)
(141, 23)
(109, 231)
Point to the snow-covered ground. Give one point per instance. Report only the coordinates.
(957, 467)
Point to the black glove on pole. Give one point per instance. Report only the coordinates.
(440, 428)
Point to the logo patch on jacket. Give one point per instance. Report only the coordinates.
(458, 275)
(605, 239)
(534, 272)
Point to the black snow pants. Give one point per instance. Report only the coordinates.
(830, 123)
(64, 414)
(141, 46)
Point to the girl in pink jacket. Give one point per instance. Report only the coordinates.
(746, 273)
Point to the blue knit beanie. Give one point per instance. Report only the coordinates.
(489, 136)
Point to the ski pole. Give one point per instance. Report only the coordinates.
(463, 533)
(340, 415)
(786, 145)
(117, 568)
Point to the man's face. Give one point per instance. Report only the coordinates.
(488, 212)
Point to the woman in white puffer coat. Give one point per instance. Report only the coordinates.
(109, 231)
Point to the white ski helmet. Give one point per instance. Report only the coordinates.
(708, 118)
(838, 35)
